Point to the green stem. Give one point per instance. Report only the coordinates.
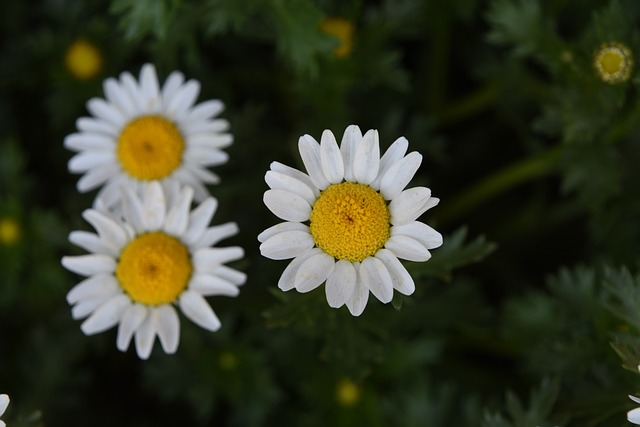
(499, 182)
(467, 106)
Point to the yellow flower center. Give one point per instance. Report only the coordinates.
(613, 62)
(350, 221)
(150, 148)
(9, 231)
(342, 30)
(154, 268)
(347, 393)
(83, 59)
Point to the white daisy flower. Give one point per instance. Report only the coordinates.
(157, 256)
(360, 219)
(634, 415)
(142, 133)
(4, 403)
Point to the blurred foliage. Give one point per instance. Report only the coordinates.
(528, 315)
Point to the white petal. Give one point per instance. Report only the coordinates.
(313, 272)
(154, 207)
(97, 176)
(119, 97)
(409, 205)
(310, 153)
(394, 153)
(133, 210)
(204, 175)
(89, 141)
(358, 300)
(209, 285)
(111, 191)
(375, 276)
(4, 403)
(205, 259)
(88, 265)
(203, 139)
(171, 85)
(185, 177)
(108, 229)
(634, 398)
(280, 228)
(399, 175)
(145, 335)
(205, 156)
(277, 180)
(150, 88)
(88, 306)
(340, 283)
(633, 416)
(167, 325)
(400, 277)
(215, 234)
(288, 279)
(93, 125)
(287, 206)
(231, 275)
(295, 173)
(92, 243)
(177, 218)
(421, 232)
(210, 129)
(199, 219)
(205, 110)
(330, 158)
(350, 141)
(107, 315)
(87, 160)
(184, 98)
(132, 318)
(130, 85)
(105, 111)
(196, 308)
(407, 248)
(97, 286)
(366, 161)
(287, 244)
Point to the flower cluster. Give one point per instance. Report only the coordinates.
(148, 148)
(348, 220)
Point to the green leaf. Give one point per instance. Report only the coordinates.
(298, 37)
(536, 413)
(140, 18)
(454, 253)
(625, 292)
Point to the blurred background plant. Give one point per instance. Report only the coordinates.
(527, 114)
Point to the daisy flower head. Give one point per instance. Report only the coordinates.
(4, 403)
(157, 255)
(613, 62)
(348, 219)
(142, 132)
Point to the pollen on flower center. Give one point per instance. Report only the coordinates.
(150, 148)
(350, 221)
(154, 268)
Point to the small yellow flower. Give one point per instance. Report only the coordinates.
(613, 62)
(228, 361)
(347, 393)
(10, 231)
(83, 59)
(342, 30)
